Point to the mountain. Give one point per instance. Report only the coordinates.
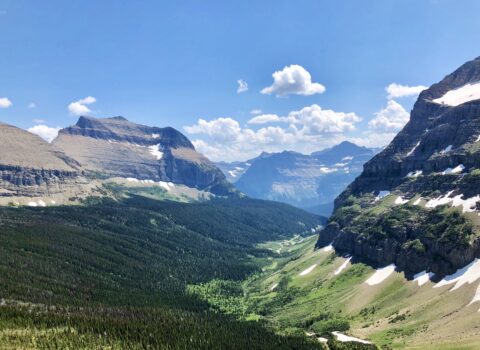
(416, 204)
(30, 166)
(306, 181)
(234, 170)
(116, 147)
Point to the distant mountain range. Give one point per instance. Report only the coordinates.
(308, 181)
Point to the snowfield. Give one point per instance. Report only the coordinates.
(346, 338)
(401, 200)
(272, 288)
(447, 149)
(422, 277)
(466, 93)
(155, 151)
(413, 149)
(415, 173)
(328, 248)
(342, 267)
(307, 271)
(466, 275)
(381, 275)
(457, 170)
(468, 205)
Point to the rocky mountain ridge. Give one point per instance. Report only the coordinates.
(416, 203)
(29, 166)
(94, 150)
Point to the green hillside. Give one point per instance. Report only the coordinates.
(114, 274)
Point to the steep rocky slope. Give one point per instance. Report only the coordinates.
(116, 147)
(416, 203)
(306, 181)
(32, 167)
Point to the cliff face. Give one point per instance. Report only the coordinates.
(31, 166)
(115, 147)
(416, 203)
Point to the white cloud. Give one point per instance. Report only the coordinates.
(307, 130)
(293, 80)
(45, 132)
(242, 86)
(38, 121)
(396, 90)
(5, 102)
(316, 120)
(256, 111)
(265, 118)
(80, 107)
(393, 117)
(32, 105)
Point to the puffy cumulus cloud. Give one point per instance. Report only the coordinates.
(306, 130)
(293, 80)
(221, 129)
(315, 120)
(242, 86)
(45, 132)
(80, 107)
(5, 102)
(396, 90)
(393, 117)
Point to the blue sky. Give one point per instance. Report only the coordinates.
(172, 63)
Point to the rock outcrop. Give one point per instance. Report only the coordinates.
(428, 178)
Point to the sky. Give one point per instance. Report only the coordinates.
(236, 77)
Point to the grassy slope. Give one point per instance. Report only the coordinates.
(396, 314)
(116, 273)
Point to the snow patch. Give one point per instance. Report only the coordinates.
(32, 204)
(466, 275)
(415, 173)
(155, 136)
(468, 205)
(307, 271)
(413, 149)
(447, 149)
(422, 277)
(342, 267)
(42, 203)
(381, 275)
(272, 288)
(466, 93)
(347, 158)
(478, 139)
(328, 248)
(401, 200)
(155, 151)
(457, 170)
(346, 338)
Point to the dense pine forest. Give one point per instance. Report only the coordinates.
(114, 274)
